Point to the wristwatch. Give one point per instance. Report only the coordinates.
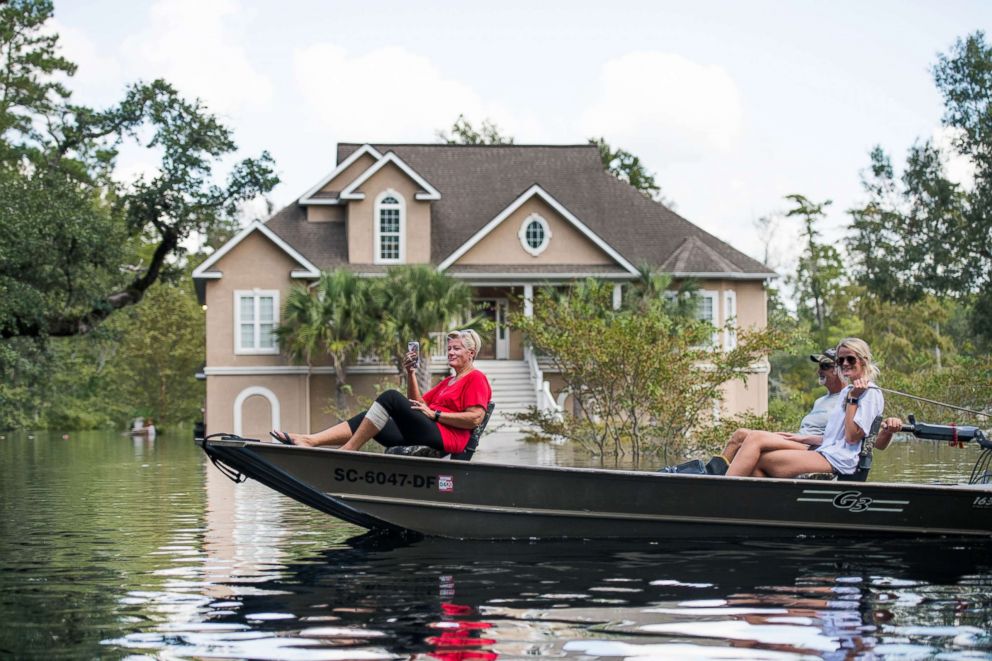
(852, 400)
(437, 415)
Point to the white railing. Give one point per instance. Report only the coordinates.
(542, 389)
(439, 347)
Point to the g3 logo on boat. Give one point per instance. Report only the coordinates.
(852, 500)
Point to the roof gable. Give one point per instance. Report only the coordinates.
(350, 192)
(568, 216)
(311, 196)
(695, 258)
(306, 270)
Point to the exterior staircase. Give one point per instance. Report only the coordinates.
(513, 392)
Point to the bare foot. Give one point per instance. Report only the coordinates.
(289, 438)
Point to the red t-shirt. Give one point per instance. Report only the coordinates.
(470, 390)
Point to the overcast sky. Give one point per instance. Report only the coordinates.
(732, 105)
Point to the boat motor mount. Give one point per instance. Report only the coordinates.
(957, 436)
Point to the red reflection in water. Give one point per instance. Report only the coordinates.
(458, 635)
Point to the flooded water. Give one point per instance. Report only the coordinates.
(112, 547)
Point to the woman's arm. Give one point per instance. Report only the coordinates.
(470, 418)
(853, 433)
(412, 387)
(808, 439)
(889, 427)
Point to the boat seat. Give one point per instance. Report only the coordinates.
(464, 455)
(864, 459)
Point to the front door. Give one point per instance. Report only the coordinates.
(496, 343)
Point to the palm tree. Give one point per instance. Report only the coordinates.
(337, 316)
(418, 300)
(653, 288)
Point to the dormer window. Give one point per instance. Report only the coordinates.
(534, 234)
(390, 223)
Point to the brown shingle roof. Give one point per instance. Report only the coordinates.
(477, 182)
(324, 244)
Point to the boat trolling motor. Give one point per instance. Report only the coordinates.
(957, 436)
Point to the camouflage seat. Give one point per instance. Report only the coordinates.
(464, 455)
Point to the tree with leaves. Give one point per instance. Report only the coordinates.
(820, 271)
(462, 132)
(339, 317)
(161, 349)
(70, 235)
(628, 168)
(923, 234)
(645, 377)
(417, 300)
(76, 244)
(346, 315)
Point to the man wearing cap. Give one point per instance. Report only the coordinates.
(812, 425)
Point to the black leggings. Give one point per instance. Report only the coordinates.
(406, 425)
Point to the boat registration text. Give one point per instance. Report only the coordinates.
(385, 477)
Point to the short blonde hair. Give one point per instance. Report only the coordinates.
(469, 338)
(861, 349)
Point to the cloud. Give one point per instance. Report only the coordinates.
(98, 79)
(388, 94)
(958, 167)
(198, 47)
(665, 106)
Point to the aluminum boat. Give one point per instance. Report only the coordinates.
(478, 500)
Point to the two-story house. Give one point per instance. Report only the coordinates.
(505, 219)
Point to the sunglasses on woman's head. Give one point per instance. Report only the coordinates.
(847, 360)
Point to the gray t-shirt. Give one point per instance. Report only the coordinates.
(816, 420)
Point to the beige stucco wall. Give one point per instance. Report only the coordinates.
(752, 309)
(361, 227)
(256, 263)
(287, 393)
(323, 411)
(348, 175)
(567, 245)
(325, 213)
(749, 395)
(283, 392)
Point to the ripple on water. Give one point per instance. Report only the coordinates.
(174, 561)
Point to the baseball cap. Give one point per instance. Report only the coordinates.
(825, 355)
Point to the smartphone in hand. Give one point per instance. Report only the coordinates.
(414, 347)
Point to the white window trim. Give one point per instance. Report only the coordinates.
(729, 317)
(255, 294)
(522, 234)
(376, 248)
(261, 391)
(714, 298)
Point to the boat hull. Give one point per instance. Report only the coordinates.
(477, 500)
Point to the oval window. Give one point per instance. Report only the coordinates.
(534, 234)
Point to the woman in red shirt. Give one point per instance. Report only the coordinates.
(442, 418)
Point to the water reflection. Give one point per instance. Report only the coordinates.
(374, 599)
(111, 547)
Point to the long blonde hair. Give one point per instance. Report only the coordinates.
(861, 349)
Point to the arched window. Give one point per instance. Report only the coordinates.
(534, 234)
(390, 225)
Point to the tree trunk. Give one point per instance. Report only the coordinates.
(340, 389)
(423, 372)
